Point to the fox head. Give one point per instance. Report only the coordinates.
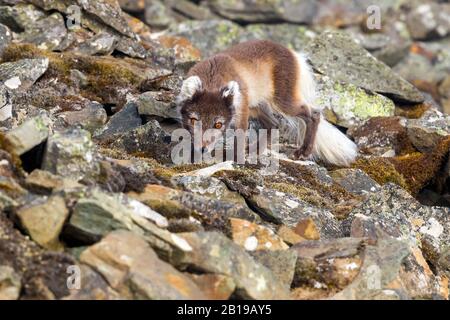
(208, 112)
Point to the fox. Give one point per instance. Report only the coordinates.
(261, 79)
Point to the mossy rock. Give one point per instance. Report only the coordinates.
(108, 78)
(381, 170)
(412, 171)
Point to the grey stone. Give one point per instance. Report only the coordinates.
(425, 133)
(355, 181)
(126, 119)
(214, 253)
(283, 208)
(155, 103)
(100, 44)
(22, 73)
(337, 55)
(71, 153)
(10, 284)
(5, 37)
(47, 33)
(132, 268)
(27, 136)
(429, 20)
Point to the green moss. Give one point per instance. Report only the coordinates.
(412, 112)
(308, 195)
(307, 178)
(245, 181)
(105, 75)
(381, 170)
(421, 169)
(412, 171)
(350, 103)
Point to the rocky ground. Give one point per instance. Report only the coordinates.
(87, 186)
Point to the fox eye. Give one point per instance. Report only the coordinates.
(218, 125)
(193, 121)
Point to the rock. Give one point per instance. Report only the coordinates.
(134, 6)
(266, 11)
(43, 274)
(109, 79)
(5, 37)
(283, 208)
(209, 36)
(349, 104)
(288, 235)
(419, 280)
(44, 221)
(23, 73)
(214, 253)
(71, 154)
(207, 172)
(149, 140)
(44, 182)
(98, 213)
(209, 187)
(47, 33)
(281, 263)
(426, 64)
(131, 48)
(100, 44)
(21, 16)
(92, 287)
(307, 229)
(5, 104)
(91, 118)
(392, 212)
(429, 20)
(426, 133)
(355, 181)
(292, 36)
(253, 237)
(157, 104)
(381, 135)
(337, 55)
(390, 216)
(110, 13)
(214, 214)
(11, 190)
(132, 268)
(193, 11)
(29, 135)
(185, 55)
(214, 286)
(126, 119)
(328, 264)
(378, 273)
(9, 284)
(157, 14)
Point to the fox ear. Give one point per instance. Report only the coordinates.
(190, 87)
(231, 93)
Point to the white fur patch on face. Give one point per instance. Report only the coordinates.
(190, 86)
(233, 89)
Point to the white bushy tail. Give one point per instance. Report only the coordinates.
(331, 145)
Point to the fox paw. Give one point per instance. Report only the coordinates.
(300, 155)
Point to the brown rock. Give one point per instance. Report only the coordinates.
(255, 237)
(44, 221)
(132, 268)
(307, 229)
(289, 236)
(215, 286)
